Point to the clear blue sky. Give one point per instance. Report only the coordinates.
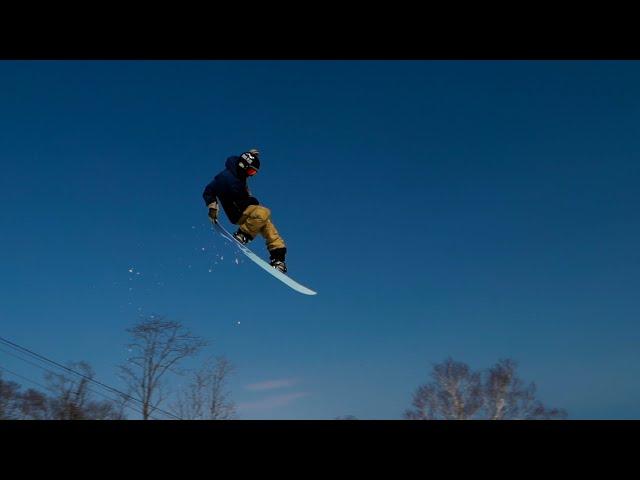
(477, 210)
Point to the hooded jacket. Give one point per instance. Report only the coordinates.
(230, 187)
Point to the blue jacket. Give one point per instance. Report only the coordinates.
(230, 187)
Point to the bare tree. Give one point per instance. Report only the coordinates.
(9, 400)
(18, 405)
(158, 347)
(70, 395)
(507, 397)
(206, 397)
(35, 405)
(454, 394)
(458, 393)
(72, 399)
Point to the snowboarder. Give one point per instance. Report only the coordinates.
(242, 209)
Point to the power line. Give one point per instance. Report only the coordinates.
(54, 373)
(108, 387)
(112, 389)
(24, 378)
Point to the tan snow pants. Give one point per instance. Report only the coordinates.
(255, 220)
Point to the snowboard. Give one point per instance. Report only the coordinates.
(262, 264)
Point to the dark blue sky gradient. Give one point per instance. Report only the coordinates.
(477, 210)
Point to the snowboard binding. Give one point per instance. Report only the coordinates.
(242, 237)
(279, 265)
(277, 259)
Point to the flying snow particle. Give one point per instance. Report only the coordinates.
(131, 270)
(237, 261)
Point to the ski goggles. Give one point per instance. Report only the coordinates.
(251, 171)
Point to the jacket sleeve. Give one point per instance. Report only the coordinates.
(209, 193)
(251, 200)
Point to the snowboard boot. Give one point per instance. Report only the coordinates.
(277, 259)
(242, 237)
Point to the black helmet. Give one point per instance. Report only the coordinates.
(250, 162)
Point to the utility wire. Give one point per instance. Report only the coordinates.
(39, 357)
(32, 381)
(24, 378)
(103, 395)
(43, 358)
